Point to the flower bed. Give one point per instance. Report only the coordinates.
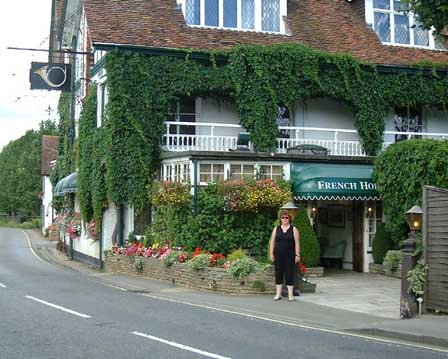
(209, 278)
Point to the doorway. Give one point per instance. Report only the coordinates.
(357, 236)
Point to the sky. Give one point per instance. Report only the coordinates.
(26, 24)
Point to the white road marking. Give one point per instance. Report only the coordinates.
(2, 285)
(31, 248)
(58, 307)
(113, 286)
(181, 346)
(348, 334)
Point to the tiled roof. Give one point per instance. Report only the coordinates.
(329, 25)
(49, 153)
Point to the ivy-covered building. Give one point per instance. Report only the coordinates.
(207, 90)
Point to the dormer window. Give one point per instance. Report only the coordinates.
(395, 27)
(244, 15)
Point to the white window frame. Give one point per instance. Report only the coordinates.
(257, 20)
(391, 12)
(102, 95)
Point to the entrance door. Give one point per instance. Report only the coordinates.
(357, 236)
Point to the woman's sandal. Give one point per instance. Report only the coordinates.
(276, 298)
(291, 299)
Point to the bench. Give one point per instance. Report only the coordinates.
(308, 149)
(334, 253)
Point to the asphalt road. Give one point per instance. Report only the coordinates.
(50, 312)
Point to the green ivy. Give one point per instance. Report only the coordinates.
(400, 173)
(257, 79)
(64, 164)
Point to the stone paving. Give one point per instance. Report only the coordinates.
(367, 293)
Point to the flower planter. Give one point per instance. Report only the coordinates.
(211, 278)
(53, 235)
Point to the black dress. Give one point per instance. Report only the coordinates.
(284, 255)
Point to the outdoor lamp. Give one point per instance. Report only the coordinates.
(414, 218)
(292, 210)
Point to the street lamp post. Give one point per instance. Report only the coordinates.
(408, 306)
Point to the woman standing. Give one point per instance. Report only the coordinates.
(284, 251)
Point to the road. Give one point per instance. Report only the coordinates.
(50, 312)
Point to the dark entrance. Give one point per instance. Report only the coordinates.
(357, 236)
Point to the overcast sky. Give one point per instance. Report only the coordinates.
(23, 23)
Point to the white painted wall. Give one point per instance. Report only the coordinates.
(84, 244)
(212, 110)
(47, 198)
(434, 120)
(327, 113)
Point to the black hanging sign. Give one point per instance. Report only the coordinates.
(44, 76)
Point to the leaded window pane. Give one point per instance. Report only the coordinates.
(381, 4)
(440, 44)
(247, 14)
(270, 15)
(193, 12)
(230, 12)
(211, 12)
(421, 36)
(402, 29)
(399, 6)
(382, 26)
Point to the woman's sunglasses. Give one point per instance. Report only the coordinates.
(284, 217)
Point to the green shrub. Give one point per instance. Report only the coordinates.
(381, 244)
(139, 263)
(242, 267)
(200, 262)
(416, 279)
(213, 229)
(46, 232)
(171, 258)
(236, 254)
(131, 237)
(392, 260)
(309, 245)
(401, 171)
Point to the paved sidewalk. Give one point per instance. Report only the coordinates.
(345, 301)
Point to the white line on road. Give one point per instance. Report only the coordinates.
(31, 248)
(2, 285)
(58, 307)
(114, 286)
(361, 336)
(180, 346)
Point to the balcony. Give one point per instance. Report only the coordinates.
(197, 136)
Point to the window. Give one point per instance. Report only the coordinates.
(272, 172)
(211, 172)
(175, 172)
(283, 120)
(393, 26)
(241, 171)
(257, 15)
(183, 110)
(102, 102)
(407, 120)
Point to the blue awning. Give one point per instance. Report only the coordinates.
(66, 185)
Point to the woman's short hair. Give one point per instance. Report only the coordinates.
(284, 212)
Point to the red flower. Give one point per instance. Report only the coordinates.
(215, 257)
(302, 268)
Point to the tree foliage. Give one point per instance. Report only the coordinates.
(400, 173)
(20, 168)
(431, 14)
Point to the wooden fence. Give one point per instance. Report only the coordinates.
(435, 241)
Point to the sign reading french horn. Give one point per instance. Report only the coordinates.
(44, 76)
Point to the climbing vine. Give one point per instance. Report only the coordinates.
(257, 78)
(64, 164)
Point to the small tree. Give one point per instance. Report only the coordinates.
(309, 245)
(382, 242)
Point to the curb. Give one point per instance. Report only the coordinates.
(414, 338)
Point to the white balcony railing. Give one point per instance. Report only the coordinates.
(197, 136)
